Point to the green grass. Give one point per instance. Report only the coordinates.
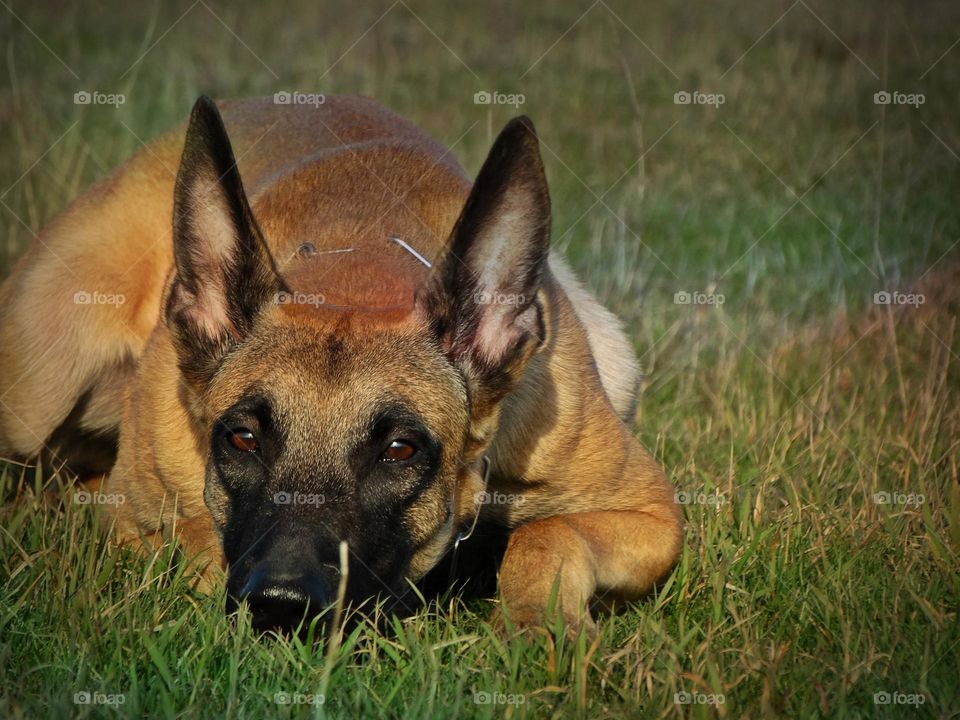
(793, 403)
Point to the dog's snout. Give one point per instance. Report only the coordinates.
(280, 601)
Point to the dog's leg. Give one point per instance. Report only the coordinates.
(622, 534)
(621, 552)
(79, 305)
(197, 544)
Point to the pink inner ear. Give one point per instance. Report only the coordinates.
(217, 241)
(211, 328)
(495, 337)
(500, 330)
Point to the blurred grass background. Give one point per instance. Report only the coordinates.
(793, 403)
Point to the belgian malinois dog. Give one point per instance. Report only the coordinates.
(338, 339)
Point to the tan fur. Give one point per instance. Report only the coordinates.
(596, 508)
(612, 351)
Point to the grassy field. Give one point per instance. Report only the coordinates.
(812, 430)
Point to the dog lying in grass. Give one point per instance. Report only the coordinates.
(338, 345)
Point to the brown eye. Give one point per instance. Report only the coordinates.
(243, 440)
(398, 451)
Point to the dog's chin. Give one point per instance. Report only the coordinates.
(310, 624)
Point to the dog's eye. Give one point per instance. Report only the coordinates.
(243, 439)
(398, 451)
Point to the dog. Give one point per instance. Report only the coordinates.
(338, 343)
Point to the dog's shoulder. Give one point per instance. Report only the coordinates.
(612, 351)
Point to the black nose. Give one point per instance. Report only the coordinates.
(280, 601)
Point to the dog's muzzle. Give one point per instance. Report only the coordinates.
(280, 601)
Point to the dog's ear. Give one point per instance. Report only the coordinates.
(224, 273)
(483, 295)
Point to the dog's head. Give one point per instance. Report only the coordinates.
(363, 426)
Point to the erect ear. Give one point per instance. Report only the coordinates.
(482, 297)
(224, 273)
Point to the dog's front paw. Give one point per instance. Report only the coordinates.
(525, 618)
